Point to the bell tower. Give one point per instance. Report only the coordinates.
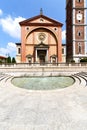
(76, 30)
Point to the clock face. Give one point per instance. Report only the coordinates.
(79, 16)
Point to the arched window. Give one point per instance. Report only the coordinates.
(79, 48)
(19, 50)
(79, 33)
(79, 21)
(79, 1)
(62, 50)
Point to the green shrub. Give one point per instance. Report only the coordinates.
(9, 59)
(13, 60)
(0, 62)
(83, 60)
(72, 61)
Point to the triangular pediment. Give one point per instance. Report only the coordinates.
(53, 56)
(29, 56)
(41, 45)
(40, 19)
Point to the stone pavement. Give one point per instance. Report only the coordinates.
(62, 109)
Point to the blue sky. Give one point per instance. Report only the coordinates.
(14, 11)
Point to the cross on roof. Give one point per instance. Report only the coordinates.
(41, 11)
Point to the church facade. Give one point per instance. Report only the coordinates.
(41, 37)
(41, 40)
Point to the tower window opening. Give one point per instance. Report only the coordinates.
(79, 33)
(79, 1)
(79, 48)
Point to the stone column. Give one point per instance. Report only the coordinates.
(47, 56)
(36, 56)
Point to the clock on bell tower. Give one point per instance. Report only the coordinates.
(76, 41)
(79, 16)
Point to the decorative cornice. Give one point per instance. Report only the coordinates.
(41, 24)
(79, 8)
(18, 44)
(79, 24)
(28, 21)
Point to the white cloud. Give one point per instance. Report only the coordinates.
(1, 12)
(11, 46)
(11, 26)
(9, 50)
(64, 35)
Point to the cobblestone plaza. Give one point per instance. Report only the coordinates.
(60, 109)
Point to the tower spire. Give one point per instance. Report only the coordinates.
(41, 11)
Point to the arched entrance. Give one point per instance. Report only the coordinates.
(41, 53)
(42, 56)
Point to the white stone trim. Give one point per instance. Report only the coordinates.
(73, 3)
(36, 55)
(85, 27)
(85, 3)
(47, 56)
(73, 48)
(73, 22)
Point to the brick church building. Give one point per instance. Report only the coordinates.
(41, 40)
(41, 37)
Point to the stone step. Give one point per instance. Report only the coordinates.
(82, 79)
(2, 77)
